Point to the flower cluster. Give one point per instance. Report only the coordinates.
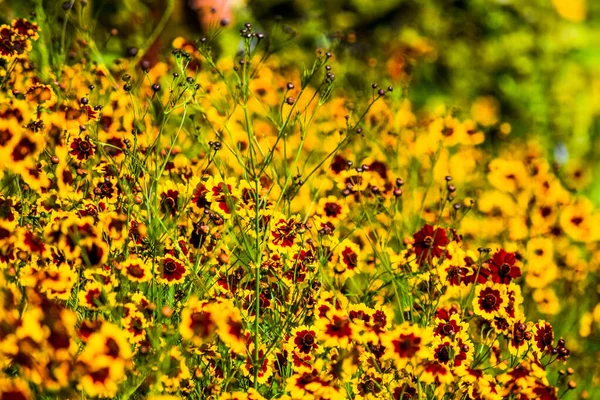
(205, 227)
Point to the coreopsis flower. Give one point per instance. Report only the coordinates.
(199, 199)
(43, 95)
(429, 243)
(454, 269)
(25, 28)
(547, 301)
(171, 197)
(115, 227)
(265, 369)
(381, 318)
(14, 388)
(303, 340)
(332, 209)
(87, 328)
(57, 281)
(480, 386)
(104, 360)
(503, 267)
(283, 232)
(406, 344)
(198, 322)
(32, 243)
(519, 338)
(223, 195)
(335, 329)
(507, 175)
(82, 149)
(489, 300)
(578, 221)
(21, 151)
(202, 320)
(176, 370)
(513, 309)
(252, 394)
(12, 44)
(136, 270)
(312, 384)
(230, 326)
(543, 338)
(170, 270)
(404, 391)
(448, 324)
(106, 188)
(94, 297)
(360, 315)
(135, 324)
(370, 385)
(347, 264)
(437, 373)
(110, 341)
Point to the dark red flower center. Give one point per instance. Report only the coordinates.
(170, 266)
(490, 300)
(428, 241)
(136, 271)
(308, 339)
(444, 354)
(332, 209)
(448, 330)
(504, 269)
(83, 146)
(547, 339)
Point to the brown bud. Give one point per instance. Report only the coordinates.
(54, 160)
(166, 312)
(572, 385)
(223, 258)
(138, 199)
(22, 255)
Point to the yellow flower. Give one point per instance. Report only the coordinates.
(406, 344)
(547, 301)
(485, 110)
(571, 10)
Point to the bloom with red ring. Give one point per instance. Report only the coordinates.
(502, 267)
(334, 329)
(489, 300)
(543, 337)
(348, 259)
(429, 242)
(406, 344)
(136, 270)
(283, 233)
(305, 341)
(170, 270)
(82, 149)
